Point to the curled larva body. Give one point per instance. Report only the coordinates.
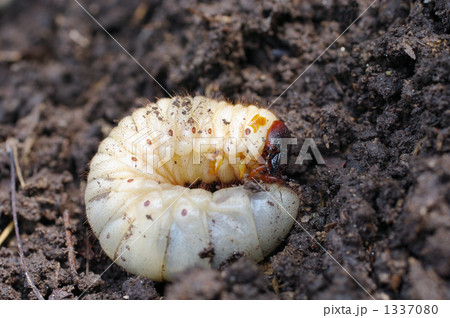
(145, 217)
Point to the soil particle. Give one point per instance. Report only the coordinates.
(138, 289)
(426, 223)
(196, 283)
(242, 280)
(427, 284)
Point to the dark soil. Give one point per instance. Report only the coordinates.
(376, 104)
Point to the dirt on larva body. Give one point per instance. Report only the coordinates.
(376, 104)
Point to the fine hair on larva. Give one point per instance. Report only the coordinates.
(148, 197)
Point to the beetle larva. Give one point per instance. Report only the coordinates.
(150, 223)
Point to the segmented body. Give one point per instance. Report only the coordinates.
(145, 217)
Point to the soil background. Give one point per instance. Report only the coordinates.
(376, 104)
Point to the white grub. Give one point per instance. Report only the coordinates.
(145, 217)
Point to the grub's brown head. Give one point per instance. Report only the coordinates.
(272, 148)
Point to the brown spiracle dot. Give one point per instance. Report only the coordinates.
(194, 130)
(149, 142)
(247, 131)
(147, 203)
(130, 180)
(134, 158)
(170, 132)
(209, 131)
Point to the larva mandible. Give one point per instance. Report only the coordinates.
(150, 223)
